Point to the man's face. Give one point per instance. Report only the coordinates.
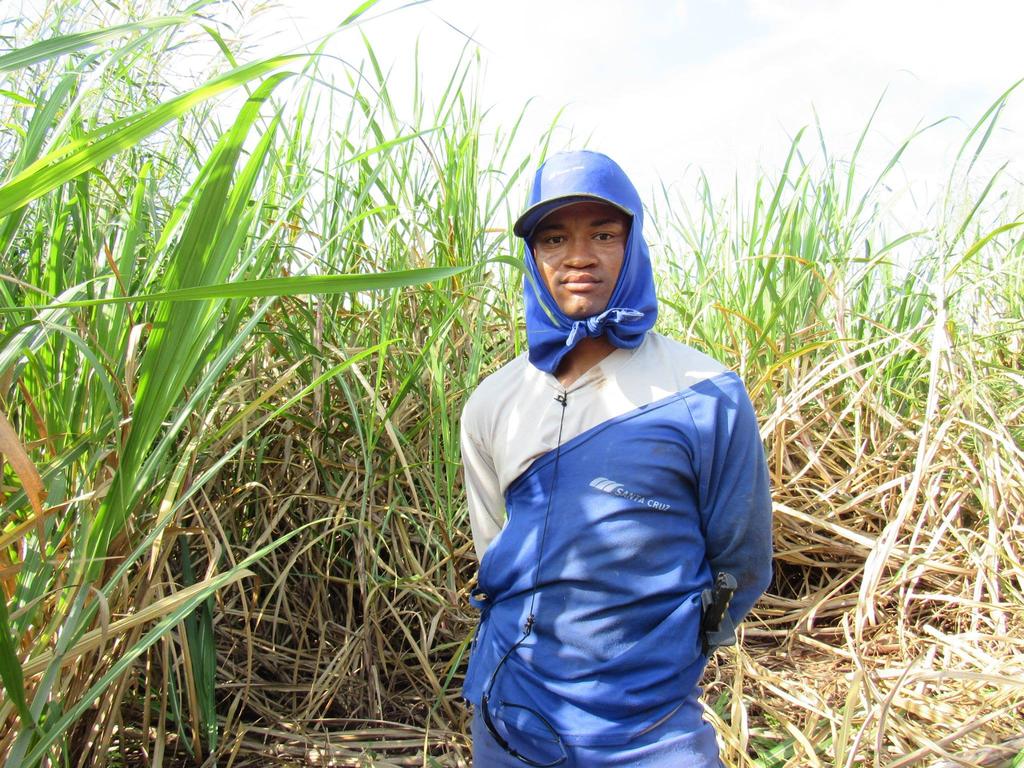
(578, 250)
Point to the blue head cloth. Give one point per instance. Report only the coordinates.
(576, 177)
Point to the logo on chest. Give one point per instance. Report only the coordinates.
(606, 485)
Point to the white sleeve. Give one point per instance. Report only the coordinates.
(483, 493)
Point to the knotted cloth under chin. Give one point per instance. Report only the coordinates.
(613, 322)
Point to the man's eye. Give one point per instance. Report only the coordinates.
(603, 236)
(554, 240)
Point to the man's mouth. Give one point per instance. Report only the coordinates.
(580, 282)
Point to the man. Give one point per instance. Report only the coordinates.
(611, 473)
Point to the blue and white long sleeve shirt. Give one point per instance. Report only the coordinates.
(660, 482)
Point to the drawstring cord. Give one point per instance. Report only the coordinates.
(563, 399)
(595, 326)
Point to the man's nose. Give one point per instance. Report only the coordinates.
(579, 252)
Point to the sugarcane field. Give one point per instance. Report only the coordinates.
(293, 333)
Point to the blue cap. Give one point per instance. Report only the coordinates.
(577, 177)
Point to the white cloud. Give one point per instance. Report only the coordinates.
(667, 85)
(682, 11)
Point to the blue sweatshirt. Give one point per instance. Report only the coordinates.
(659, 482)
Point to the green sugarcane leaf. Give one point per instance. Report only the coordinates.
(88, 152)
(10, 667)
(180, 335)
(297, 285)
(63, 44)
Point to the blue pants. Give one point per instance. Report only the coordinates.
(684, 740)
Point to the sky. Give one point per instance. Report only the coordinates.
(670, 86)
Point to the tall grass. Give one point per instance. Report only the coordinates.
(233, 523)
(144, 371)
(886, 366)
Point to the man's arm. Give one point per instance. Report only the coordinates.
(736, 505)
(483, 494)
